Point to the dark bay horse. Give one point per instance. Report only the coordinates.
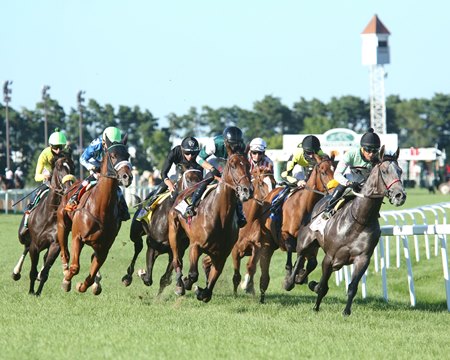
(157, 231)
(249, 240)
(41, 234)
(350, 236)
(296, 210)
(95, 221)
(214, 230)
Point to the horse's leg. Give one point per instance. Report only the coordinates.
(136, 232)
(34, 257)
(361, 264)
(166, 279)
(63, 234)
(42, 268)
(216, 268)
(206, 264)
(289, 280)
(321, 288)
(264, 263)
(18, 268)
(147, 275)
(236, 266)
(194, 253)
(97, 261)
(174, 239)
(251, 270)
(77, 246)
(50, 258)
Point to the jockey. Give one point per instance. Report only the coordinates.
(257, 157)
(57, 142)
(302, 156)
(91, 159)
(231, 136)
(186, 153)
(360, 161)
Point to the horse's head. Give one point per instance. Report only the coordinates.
(62, 169)
(237, 175)
(117, 158)
(321, 178)
(390, 173)
(187, 175)
(263, 182)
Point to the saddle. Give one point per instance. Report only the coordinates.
(146, 215)
(184, 203)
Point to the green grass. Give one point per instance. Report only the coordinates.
(133, 323)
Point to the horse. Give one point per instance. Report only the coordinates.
(249, 240)
(295, 211)
(213, 230)
(350, 235)
(96, 220)
(41, 232)
(157, 231)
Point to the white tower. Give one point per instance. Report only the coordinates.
(375, 53)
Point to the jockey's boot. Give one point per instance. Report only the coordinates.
(124, 214)
(328, 212)
(279, 200)
(196, 196)
(150, 199)
(241, 220)
(73, 201)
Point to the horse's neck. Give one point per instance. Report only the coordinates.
(368, 206)
(224, 194)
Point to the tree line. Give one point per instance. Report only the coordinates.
(418, 123)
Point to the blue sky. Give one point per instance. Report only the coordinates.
(167, 56)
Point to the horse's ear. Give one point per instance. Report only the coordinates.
(397, 153)
(125, 139)
(382, 152)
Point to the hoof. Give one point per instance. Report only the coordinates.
(96, 289)
(299, 278)
(288, 284)
(79, 287)
(16, 277)
(188, 283)
(127, 280)
(179, 290)
(203, 294)
(313, 286)
(66, 285)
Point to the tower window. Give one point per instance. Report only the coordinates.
(382, 44)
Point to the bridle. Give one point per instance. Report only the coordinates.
(236, 186)
(316, 166)
(386, 192)
(184, 181)
(113, 169)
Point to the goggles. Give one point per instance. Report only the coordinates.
(189, 152)
(257, 152)
(57, 147)
(370, 150)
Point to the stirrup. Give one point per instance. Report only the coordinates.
(327, 214)
(190, 211)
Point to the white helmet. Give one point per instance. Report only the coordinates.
(258, 144)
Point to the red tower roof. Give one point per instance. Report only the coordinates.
(375, 26)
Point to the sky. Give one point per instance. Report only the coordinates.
(169, 55)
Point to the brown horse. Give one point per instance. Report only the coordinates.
(296, 210)
(95, 222)
(213, 230)
(350, 236)
(157, 231)
(41, 234)
(249, 240)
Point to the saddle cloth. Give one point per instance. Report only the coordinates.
(147, 216)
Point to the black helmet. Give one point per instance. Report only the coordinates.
(311, 143)
(370, 139)
(232, 135)
(190, 145)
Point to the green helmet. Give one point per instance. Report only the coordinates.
(113, 133)
(57, 138)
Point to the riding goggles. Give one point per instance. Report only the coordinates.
(370, 150)
(257, 152)
(189, 152)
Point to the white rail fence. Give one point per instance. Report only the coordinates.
(404, 233)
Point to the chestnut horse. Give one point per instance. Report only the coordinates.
(249, 240)
(95, 222)
(295, 211)
(213, 231)
(350, 236)
(41, 232)
(157, 231)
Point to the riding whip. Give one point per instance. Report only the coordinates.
(23, 198)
